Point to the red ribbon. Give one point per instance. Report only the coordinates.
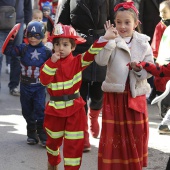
(126, 5)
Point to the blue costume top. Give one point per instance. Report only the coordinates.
(32, 58)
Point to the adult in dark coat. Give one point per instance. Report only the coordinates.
(149, 17)
(23, 15)
(88, 18)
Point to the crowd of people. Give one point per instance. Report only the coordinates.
(92, 57)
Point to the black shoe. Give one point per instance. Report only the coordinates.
(32, 137)
(43, 138)
(163, 129)
(31, 141)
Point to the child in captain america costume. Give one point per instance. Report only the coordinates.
(65, 116)
(32, 92)
(47, 10)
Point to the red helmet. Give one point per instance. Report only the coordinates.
(66, 31)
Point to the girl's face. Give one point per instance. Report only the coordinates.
(125, 23)
(164, 12)
(63, 47)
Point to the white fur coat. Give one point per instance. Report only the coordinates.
(116, 55)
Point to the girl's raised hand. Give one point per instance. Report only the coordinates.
(111, 32)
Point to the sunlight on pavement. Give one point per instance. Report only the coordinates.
(16, 121)
(159, 142)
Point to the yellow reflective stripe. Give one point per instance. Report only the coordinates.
(61, 104)
(94, 50)
(85, 63)
(50, 71)
(67, 84)
(74, 135)
(72, 161)
(54, 153)
(54, 135)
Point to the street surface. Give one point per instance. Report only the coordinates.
(16, 154)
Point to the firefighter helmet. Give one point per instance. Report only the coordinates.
(66, 31)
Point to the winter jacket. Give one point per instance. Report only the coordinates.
(117, 55)
(87, 16)
(23, 9)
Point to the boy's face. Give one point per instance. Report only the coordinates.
(46, 12)
(164, 12)
(63, 47)
(37, 17)
(54, 9)
(34, 39)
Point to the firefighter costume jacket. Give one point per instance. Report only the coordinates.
(64, 78)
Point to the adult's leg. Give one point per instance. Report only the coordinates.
(3, 35)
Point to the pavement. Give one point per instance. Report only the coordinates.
(16, 154)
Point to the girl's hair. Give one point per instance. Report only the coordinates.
(133, 13)
(166, 3)
(72, 41)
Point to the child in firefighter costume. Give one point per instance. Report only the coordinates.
(65, 115)
(32, 98)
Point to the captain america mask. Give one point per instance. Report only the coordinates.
(35, 35)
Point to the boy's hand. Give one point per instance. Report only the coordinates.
(55, 57)
(111, 32)
(135, 66)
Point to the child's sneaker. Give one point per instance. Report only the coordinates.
(163, 129)
(32, 138)
(43, 138)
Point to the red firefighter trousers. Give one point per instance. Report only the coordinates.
(68, 131)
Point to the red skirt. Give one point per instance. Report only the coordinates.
(124, 136)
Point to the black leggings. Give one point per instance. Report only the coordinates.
(93, 91)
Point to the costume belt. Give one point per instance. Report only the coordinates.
(65, 97)
(29, 80)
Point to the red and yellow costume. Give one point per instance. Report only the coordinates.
(65, 120)
(160, 83)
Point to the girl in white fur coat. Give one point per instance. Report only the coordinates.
(124, 135)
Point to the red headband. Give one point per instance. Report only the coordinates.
(126, 5)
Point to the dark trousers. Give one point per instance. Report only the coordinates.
(168, 165)
(32, 100)
(93, 91)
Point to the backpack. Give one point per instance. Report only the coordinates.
(7, 17)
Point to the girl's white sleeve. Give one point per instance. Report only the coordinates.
(103, 56)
